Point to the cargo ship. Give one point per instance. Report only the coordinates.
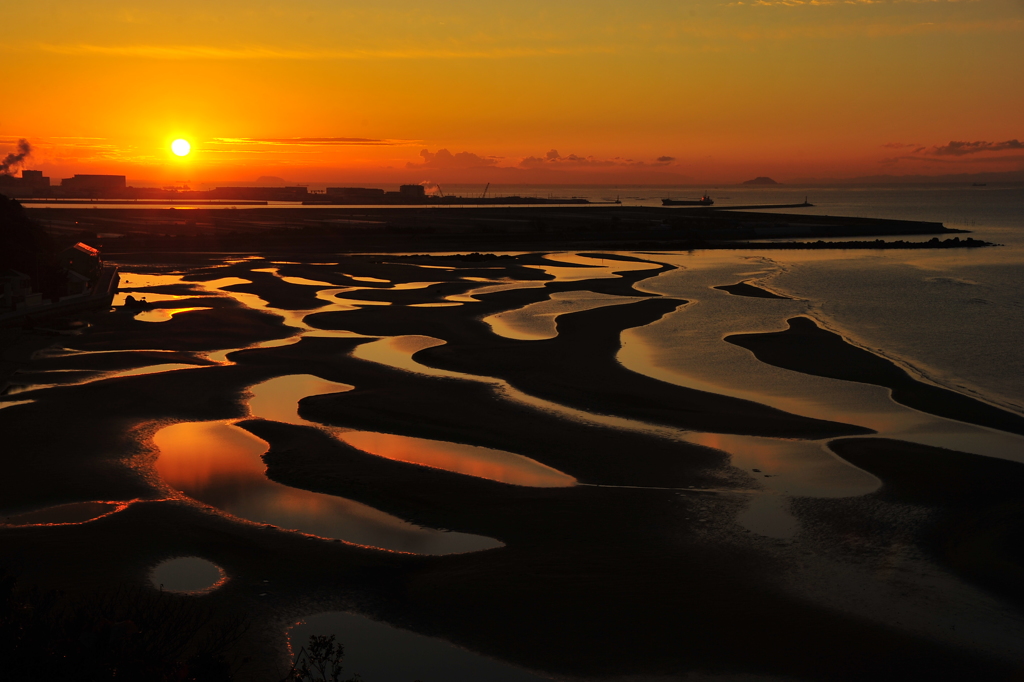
(703, 201)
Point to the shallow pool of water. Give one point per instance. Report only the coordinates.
(220, 464)
(471, 460)
(125, 292)
(187, 575)
(367, 279)
(134, 280)
(539, 320)
(470, 296)
(301, 281)
(278, 399)
(163, 314)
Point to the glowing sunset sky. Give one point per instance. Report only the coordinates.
(644, 91)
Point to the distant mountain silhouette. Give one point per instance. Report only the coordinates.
(270, 181)
(762, 180)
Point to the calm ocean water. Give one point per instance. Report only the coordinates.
(955, 317)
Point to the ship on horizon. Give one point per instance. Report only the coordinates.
(705, 200)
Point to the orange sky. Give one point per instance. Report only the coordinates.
(327, 90)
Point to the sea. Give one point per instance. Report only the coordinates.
(952, 317)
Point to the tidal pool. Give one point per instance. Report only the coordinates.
(608, 265)
(367, 279)
(163, 314)
(80, 377)
(538, 320)
(471, 460)
(134, 280)
(470, 296)
(219, 464)
(125, 292)
(301, 281)
(277, 400)
(580, 267)
(221, 356)
(188, 575)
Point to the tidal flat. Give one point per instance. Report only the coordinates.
(576, 465)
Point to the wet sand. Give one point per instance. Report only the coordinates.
(807, 348)
(747, 289)
(976, 512)
(650, 576)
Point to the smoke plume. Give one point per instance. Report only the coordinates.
(13, 160)
(430, 187)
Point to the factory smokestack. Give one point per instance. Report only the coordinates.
(15, 159)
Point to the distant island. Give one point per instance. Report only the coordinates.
(762, 180)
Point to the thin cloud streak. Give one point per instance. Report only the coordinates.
(958, 161)
(957, 148)
(313, 141)
(956, 152)
(552, 159)
(186, 52)
(443, 159)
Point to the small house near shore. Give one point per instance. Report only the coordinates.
(82, 259)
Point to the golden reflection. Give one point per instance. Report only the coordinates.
(397, 351)
(367, 279)
(295, 280)
(195, 456)
(306, 282)
(219, 464)
(538, 320)
(135, 280)
(471, 460)
(470, 296)
(163, 314)
(120, 297)
(278, 399)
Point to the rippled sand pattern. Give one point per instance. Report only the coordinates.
(580, 464)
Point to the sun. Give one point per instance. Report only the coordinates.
(181, 147)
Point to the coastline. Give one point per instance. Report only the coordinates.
(694, 592)
(441, 229)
